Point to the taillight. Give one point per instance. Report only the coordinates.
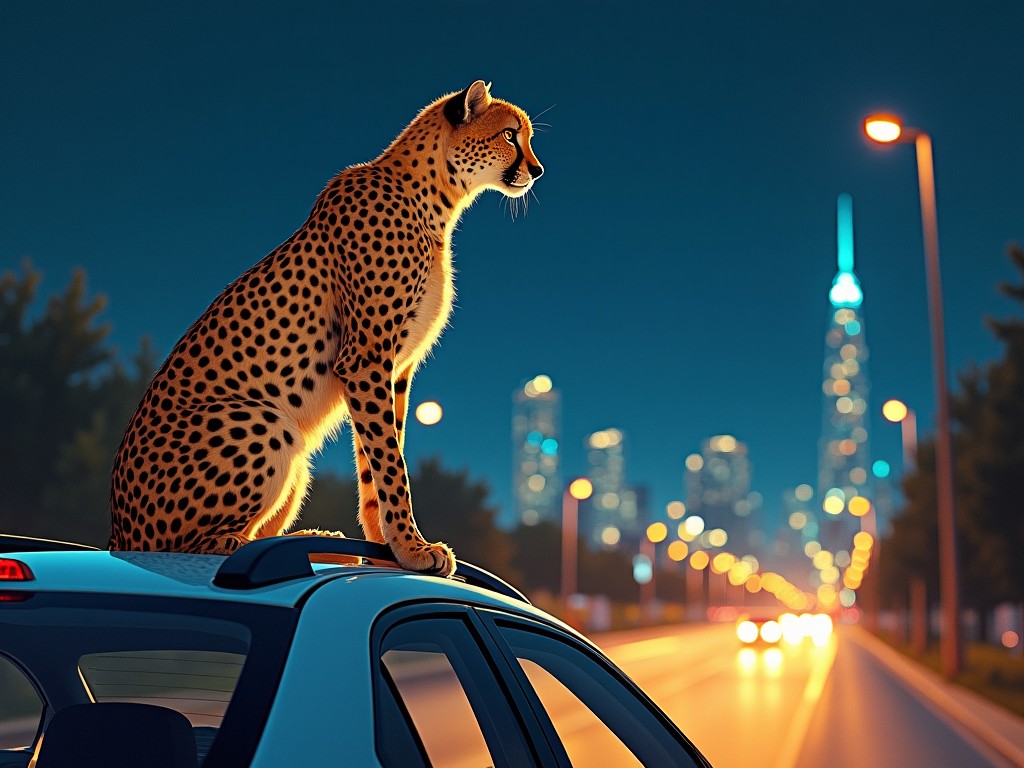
(14, 570)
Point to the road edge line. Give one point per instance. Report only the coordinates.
(906, 670)
(801, 722)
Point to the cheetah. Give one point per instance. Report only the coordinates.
(328, 328)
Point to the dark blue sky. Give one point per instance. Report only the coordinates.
(673, 277)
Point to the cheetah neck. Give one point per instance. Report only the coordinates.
(418, 158)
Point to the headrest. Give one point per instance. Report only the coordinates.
(117, 735)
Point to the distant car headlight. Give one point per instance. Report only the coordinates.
(821, 629)
(771, 632)
(746, 631)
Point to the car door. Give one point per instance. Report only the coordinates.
(590, 712)
(440, 700)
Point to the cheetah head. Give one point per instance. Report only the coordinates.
(489, 145)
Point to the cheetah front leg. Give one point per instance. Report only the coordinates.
(371, 399)
(369, 505)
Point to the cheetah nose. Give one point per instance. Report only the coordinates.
(535, 170)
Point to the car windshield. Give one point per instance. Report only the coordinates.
(217, 664)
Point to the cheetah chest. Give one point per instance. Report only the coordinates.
(432, 311)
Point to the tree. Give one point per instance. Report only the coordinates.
(77, 497)
(448, 506)
(991, 460)
(332, 505)
(988, 449)
(65, 402)
(538, 556)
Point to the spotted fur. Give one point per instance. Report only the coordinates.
(329, 327)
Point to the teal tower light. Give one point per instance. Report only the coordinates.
(846, 290)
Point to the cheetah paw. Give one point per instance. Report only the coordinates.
(435, 559)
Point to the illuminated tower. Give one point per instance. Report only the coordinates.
(537, 485)
(844, 464)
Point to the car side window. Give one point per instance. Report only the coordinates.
(439, 703)
(597, 716)
(20, 707)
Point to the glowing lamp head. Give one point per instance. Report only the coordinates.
(581, 488)
(895, 411)
(883, 128)
(657, 532)
(429, 413)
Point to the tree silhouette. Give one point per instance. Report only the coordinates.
(988, 448)
(65, 402)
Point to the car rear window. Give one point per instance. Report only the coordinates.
(199, 684)
(216, 663)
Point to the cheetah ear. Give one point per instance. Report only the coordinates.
(467, 105)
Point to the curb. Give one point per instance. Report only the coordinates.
(932, 690)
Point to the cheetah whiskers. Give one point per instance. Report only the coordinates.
(512, 204)
(534, 118)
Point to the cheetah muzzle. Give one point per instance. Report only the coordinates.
(329, 327)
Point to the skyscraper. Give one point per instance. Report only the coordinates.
(536, 483)
(612, 513)
(718, 490)
(844, 464)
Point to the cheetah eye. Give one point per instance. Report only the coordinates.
(509, 135)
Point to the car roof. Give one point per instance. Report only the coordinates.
(269, 571)
(153, 574)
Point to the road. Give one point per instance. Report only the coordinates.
(791, 707)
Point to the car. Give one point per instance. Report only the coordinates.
(759, 628)
(263, 658)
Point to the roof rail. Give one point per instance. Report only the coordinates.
(282, 558)
(11, 543)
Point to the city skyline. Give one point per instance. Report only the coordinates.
(668, 279)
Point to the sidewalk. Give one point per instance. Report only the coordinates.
(998, 728)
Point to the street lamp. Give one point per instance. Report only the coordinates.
(897, 412)
(889, 129)
(645, 566)
(578, 490)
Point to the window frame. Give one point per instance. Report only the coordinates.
(493, 621)
(44, 707)
(514, 708)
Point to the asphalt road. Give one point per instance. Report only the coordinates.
(836, 706)
(791, 707)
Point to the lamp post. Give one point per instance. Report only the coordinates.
(897, 412)
(888, 129)
(578, 490)
(648, 559)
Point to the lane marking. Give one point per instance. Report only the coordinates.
(801, 722)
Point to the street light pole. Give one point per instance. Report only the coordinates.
(898, 412)
(577, 490)
(570, 538)
(951, 650)
(908, 433)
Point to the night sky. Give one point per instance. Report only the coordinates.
(672, 278)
